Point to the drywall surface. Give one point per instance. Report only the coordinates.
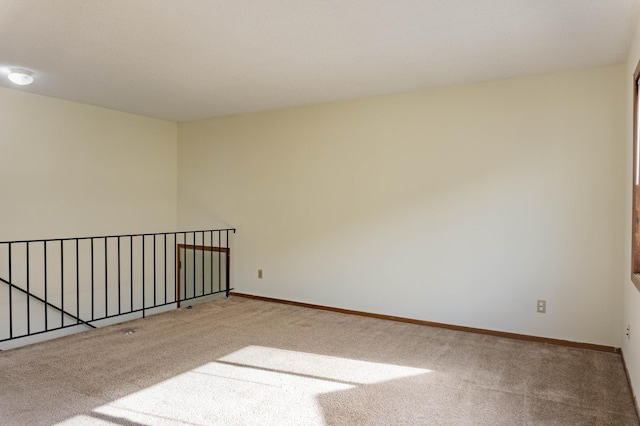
(461, 205)
(70, 170)
(631, 304)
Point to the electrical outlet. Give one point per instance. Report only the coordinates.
(628, 331)
(260, 273)
(542, 307)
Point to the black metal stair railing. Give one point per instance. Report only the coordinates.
(52, 284)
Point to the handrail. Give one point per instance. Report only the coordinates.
(116, 236)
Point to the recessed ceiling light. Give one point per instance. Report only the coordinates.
(20, 77)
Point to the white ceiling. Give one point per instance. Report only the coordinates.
(189, 59)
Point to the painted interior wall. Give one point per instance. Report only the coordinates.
(69, 169)
(461, 205)
(631, 304)
(73, 170)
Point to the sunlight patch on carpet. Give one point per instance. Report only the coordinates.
(320, 366)
(254, 385)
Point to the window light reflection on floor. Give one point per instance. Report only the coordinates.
(254, 385)
(319, 366)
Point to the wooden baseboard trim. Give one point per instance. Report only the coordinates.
(633, 394)
(590, 346)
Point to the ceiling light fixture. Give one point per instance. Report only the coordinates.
(20, 76)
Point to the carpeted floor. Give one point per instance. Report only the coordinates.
(239, 361)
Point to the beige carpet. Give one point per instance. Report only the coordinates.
(238, 361)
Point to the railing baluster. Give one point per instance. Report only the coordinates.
(219, 261)
(143, 282)
(184, 267)
(10, 295)
(202, 264)
(92, 283)
(178, 273)
(155, 301)
(194, 264)
(28, 292)
(46, 312)
(77, 282)
(226, 247)
(165, 268)
(119, 281)
(211, 260)
(131, 270)
(106, 280)
(61, 283)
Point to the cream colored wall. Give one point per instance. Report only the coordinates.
(461, 205)
(69, 169)
(72, 170)
(631, 301)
